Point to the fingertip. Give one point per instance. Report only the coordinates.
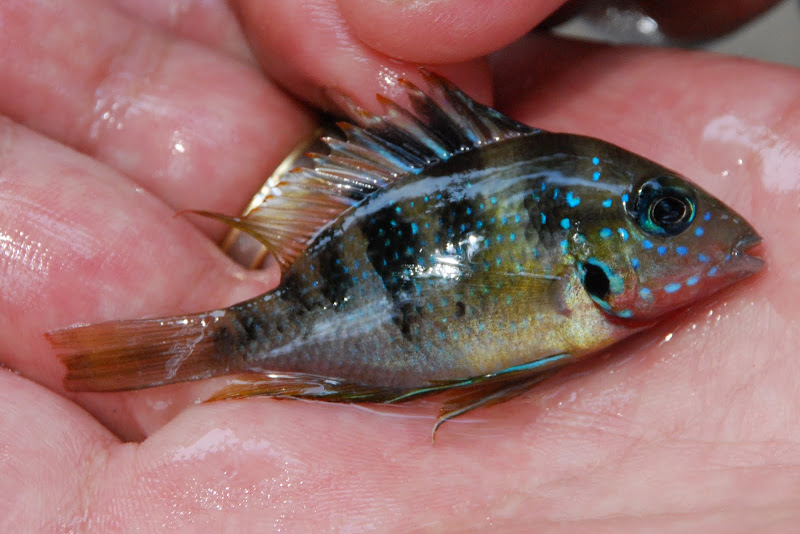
(442, 31)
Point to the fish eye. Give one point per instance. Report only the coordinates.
(664, 206)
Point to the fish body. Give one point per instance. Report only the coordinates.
(443, 248)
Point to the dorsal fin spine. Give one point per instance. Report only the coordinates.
(376, 151)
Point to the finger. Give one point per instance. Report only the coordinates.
(81, 243)
(211, 23)
(194, 127)
(51, 450)
(443, 31)
(307, 46)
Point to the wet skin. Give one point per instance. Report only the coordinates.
(675, 429)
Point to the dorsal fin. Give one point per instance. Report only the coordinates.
(375, 151)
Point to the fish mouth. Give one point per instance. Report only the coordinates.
(746, 263)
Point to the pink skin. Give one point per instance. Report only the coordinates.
(689, 427)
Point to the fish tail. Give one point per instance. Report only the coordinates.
(125, 355)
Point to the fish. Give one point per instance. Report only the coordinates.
(437, 247)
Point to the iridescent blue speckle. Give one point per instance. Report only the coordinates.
(707, 216)
(625, 197)
(672, 288)
(699, 231)
(645, 293)
(565, 223)
(682, 251)
(596, 175)
(596, 161)
(647, 244)
(605, 233)
(662, 250)
(703, 258)
(607, 203)
(634, 263)
(572, 200)
(414, 228)
(692, 280)
(712, 271)
(623, 233)
(625, 314)
(544, 218)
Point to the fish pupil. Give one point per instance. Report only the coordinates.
(669, 211)
(596, 282)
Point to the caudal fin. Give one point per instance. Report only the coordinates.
(123, 355)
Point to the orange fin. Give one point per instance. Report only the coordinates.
(124, 355)
(373, 152)
(300, 386)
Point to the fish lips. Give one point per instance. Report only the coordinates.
(740, 261)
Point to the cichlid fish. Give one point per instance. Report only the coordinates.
(441, 246)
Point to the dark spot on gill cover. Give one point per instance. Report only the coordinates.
(596, 282)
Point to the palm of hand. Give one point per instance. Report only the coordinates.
(690, 424)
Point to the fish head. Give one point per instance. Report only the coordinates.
(651, 242)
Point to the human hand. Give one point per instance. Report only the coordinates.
(119, 123)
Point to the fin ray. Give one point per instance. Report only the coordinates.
(123, 355)
(371, 152)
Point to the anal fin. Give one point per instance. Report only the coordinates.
(485, 395)
(300, 386)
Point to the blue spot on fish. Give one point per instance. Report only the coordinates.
(493, 200)
(707, 216)
(672, 288)
(634, 263)
(645, 293)
(712, 271)
(623, 233)
(564, 246)
(565, 223)
(662, 250)
(682, 251)
(572, 201)
(605, 233)
(699, 231)
(596, 175)
(512, 237)
(544, 218)
(703, 258)
(398, 210)
(596, 161)
(555, 193)
(625, 198)
(647, 244)
(414, 228)
(607, 203)
(692, 280)
(625, 314)
(479, 225)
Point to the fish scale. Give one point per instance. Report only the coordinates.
(438, 248)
